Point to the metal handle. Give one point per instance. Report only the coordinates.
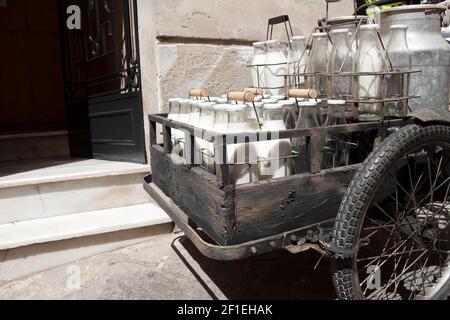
(279, 20)
(303, 93)
(200, 93)
(255, 91)
(241, 96)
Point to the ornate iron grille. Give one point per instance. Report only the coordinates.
(102, 58)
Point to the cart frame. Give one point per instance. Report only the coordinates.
(227, 222)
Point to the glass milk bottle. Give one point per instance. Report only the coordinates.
(298, 58)
(183, 117)
(252, 119)
(308, 118)
(276, 65)
(399, 56)
(318, 64)
(206, 122)
(370, 58)
(341, 56)
(337, 148)
(241, 155)
(195, 112)
(174, 114)
(270, 152)
(290, 113)
(259, 59)
(269, 101)
(174, 109)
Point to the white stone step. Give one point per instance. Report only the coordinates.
(49, 188)
(26, 233)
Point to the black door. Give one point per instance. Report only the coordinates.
(103, 84)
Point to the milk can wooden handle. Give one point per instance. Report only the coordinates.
(255, 91)
(303, 93)
(241, 96)
(199, 93)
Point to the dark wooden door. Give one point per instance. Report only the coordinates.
(103, 85)
(31, 76)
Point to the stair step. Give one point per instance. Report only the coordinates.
(20, 234)
(56, 187)
(34, 145)
(33, 172)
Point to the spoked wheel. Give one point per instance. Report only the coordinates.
(391, 235)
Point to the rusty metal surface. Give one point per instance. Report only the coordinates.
(431, 115)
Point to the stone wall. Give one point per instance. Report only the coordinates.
(194, 43)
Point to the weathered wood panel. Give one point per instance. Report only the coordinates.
(234, 215)
(276, 206)
(195, 191)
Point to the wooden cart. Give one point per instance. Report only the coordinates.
(300, 212)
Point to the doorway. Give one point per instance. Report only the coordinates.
(84, 81)
(31, 77)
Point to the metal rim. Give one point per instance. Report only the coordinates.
(418, 8)
(405, 236)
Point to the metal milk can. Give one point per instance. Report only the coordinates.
(430, 53)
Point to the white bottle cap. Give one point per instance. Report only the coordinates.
(207, 104)
(222, 100)
(273, 106)
(196, 102)
(269, 101)
(320, 34)
(308, 104)
(257, 105)
(237, 107)
(221, 107)
(288, 102)
(337, 102)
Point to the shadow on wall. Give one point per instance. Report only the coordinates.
(276, 276)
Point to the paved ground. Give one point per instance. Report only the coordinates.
(171, 268)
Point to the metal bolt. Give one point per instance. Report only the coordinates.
(294, 238)
(273, 244)
(253, 250)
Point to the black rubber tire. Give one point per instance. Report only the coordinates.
(360, 194)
